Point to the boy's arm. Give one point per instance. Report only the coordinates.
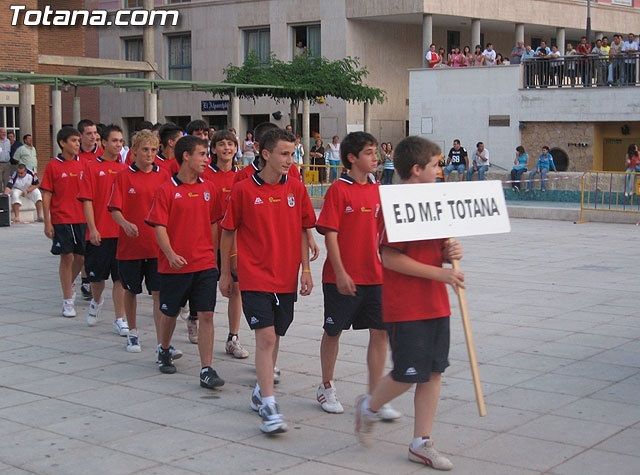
(226, 245)
(313, 246)
(344, 282)
(306, 281)
(94, 234)
(403, 264)
(130, 229)
(46, 208)
(175, 261)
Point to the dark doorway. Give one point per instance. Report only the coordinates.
(560, 159)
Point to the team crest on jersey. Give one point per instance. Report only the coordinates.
(291, 200)
(207, 196)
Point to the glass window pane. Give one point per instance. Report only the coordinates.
(313, 40)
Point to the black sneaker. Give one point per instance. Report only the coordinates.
(165, 362)
(85, 289)
(209, 378)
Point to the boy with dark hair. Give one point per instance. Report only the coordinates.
(101, 238)
(277, 209)
(221, 172)
(64, 220)
(416, 311)
(198, 128)
(188, 206)
(352, 275)
(169, 135)
(456, 161)
(137, 250)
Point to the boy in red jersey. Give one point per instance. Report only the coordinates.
(137, 252)
(64, 220)
(352, 274)
(184, 212)
(416, 311)
(277, 210)
(169, 136)
(102, 231)
(221, 172)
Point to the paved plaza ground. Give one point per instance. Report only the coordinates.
(556, 320)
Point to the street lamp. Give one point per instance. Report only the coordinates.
(588, 35)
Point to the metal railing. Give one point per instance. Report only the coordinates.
(610, 191)
(582, 71)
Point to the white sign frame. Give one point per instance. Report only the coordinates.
(418, 212)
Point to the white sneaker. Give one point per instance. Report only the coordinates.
(175, 353)
(272, 420)
(256, 398)
(133, 343)
(120, 327)
(388, 413)
(235, 349)
(93, 312)
(328, 399)
(364, 423)
(68, 309)
(427, 454)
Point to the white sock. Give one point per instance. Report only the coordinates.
(257, 388)
(419, 442)
(266, 400)
(366, 409)
(68, 301)
(120, 318)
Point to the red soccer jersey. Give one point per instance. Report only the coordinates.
(249, 170)
(129, 158)
(62, 179)
(96, 185)
(269, 220)
(168, 164)
(187, 211)
(133, 192)
(406, 298)
(353, 211)
(90, 155)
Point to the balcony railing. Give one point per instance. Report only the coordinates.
(582, 71)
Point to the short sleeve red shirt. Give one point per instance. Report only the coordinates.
(269, 220)
(353, 211)
(96, 186)
(170, 165)
(62, 180)
(187, 210)
(129, 158)
(223, 180)
(90, 155)
(406, 298)
(133, 192)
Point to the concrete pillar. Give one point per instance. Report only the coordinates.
(148, 55)
(77, 114)
(367, 117)
(306, 129)
(561, 40)
(24, 109)
(151, 106)
(519, 32)
(427, 36)
(234, 103)
(56, 117)
(475, 33)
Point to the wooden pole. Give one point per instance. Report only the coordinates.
(471, 349)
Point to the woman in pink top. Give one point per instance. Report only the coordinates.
(469, 58)
(457, 59)
(478, 56)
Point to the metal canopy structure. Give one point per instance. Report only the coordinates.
(132, 84)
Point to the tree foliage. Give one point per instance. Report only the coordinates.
(305, 76)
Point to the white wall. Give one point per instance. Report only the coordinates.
(460, 101)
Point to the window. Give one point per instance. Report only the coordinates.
(133, 4)
(169, 2)
(307, 39)
(9, 116)
(133, 52)
(180, 57)
(259, 42)
(453, 40)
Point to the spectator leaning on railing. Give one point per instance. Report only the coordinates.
(630, 47)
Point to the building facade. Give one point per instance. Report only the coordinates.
(389, 38)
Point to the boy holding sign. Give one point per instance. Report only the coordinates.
(416, 312)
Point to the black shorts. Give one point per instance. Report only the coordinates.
(219, 261)
(100, 261)
(264, 309)
(132, 272)
(199, 288)
(418, 349)
(68, 239)
(341, 312)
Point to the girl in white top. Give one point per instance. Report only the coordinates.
(248, 149)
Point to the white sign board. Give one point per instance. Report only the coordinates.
(442, 210)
